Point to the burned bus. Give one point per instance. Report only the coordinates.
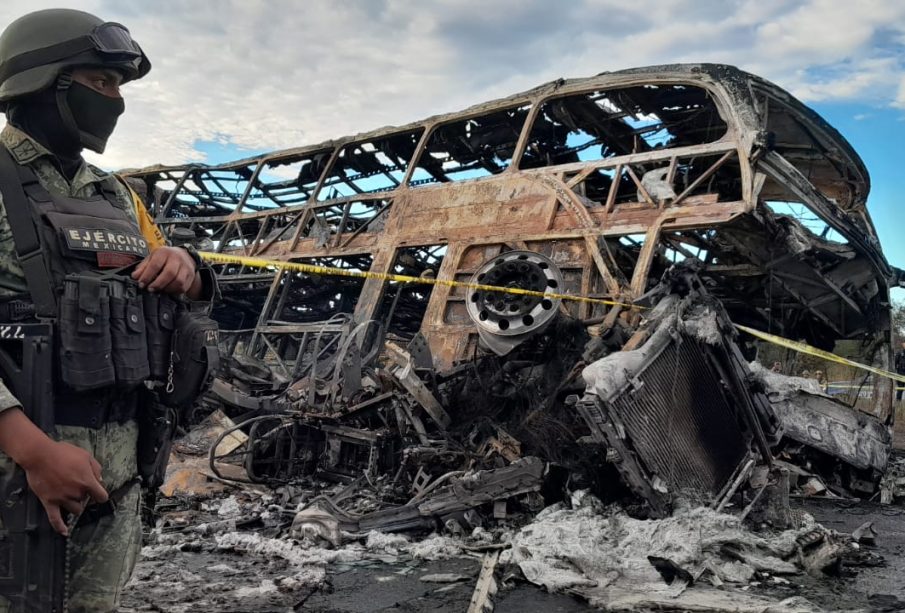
(690, 197)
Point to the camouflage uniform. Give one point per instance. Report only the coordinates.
(102, 554)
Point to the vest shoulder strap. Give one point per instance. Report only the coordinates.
(25, 235)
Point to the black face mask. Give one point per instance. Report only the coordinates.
(38, 116)
(93, 114)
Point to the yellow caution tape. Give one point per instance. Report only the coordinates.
(820, 353)
(219, 258)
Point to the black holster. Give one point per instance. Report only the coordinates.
(183, 351)
(156, 429)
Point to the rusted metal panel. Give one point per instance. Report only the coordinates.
(474, 210)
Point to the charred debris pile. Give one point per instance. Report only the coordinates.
(649, 411)
(690, 197)
(623, 462)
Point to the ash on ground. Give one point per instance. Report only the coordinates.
(234, 551)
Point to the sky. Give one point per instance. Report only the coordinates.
(235, 77)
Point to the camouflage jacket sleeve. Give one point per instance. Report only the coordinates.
(7, 400)
(11, 277)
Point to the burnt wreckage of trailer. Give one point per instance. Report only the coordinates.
(701, 193)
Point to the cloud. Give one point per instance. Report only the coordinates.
(823, 31)
(257, 75)
(866, 78)
(899, 102)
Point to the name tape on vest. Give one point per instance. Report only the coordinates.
(90, 239)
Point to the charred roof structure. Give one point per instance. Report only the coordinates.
(702, 191)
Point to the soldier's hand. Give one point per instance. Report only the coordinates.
(64, 477)
(170, 270)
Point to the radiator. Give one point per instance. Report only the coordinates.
(673, 411)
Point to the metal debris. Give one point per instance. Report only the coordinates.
(619, 562)
(486, 587)
(443, 578)
(865, 534)
(823, 423)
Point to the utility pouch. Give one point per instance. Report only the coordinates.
(156, 428)
(160, 320)
(86, 347)
(195, 357)
(130, 342)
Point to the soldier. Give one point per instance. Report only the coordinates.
(60, 77)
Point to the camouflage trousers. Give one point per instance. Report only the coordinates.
(102, 553)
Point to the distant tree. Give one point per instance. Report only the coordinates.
(898, 323)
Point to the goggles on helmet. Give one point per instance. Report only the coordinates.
(110, 40)
(114, 39)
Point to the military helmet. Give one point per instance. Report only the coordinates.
(37, 47)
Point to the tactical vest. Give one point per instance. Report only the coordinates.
(71, 250)
(76, 254)
(82, 235)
